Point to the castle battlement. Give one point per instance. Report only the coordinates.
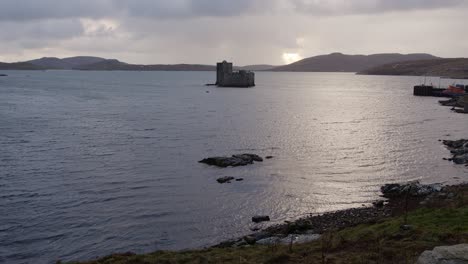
(226, 77)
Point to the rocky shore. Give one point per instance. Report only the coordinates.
(400, 197)
(401, 221)
(409, 227)
(458, 149)
(459, 104)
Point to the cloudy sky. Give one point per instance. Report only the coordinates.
(245, 31)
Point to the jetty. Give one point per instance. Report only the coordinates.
(226, 77)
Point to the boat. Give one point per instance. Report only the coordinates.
(455, 90)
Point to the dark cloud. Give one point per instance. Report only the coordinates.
(21, 10)
(341, 7)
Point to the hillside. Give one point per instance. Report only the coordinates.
(65, 63)
(453, 68)
(116, 65)
(19, 66)
(256, 67)
(338, 62)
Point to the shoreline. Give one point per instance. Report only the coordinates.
(318, 224)
(419, 204)
(400, 201)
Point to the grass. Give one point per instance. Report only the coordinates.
(382, 242)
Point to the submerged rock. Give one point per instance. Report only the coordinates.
(260, 218)
(225, 179)
(412, 188)
(454, 144)
(458, 149)
(234, 160)
(457, 254)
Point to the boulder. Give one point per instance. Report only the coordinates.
(460, 159)
(454, 144)
(260, 218)
(412, 188)
(225, 179)
(457, 254)
(234, 160)
(458, 149)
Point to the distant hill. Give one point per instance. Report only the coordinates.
(116, 65)
(19, 66)
(453, 68)
(338, 62)
(65, 63)
(257, 67)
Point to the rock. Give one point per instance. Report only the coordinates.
(225, 179)
(412, 188)
(239, 179)
(235, 160)
(269, 157)
(260, 218)
(406, 227)
(457, 254)
(250, 240)
(249, 157)
(3, 75)
(460, 159)
(378, 204)
(254, 228)
(454, 144)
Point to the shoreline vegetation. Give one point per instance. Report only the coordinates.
(409, 219)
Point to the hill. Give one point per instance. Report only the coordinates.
(116, 65)
(454, 68)
(256, 67)
(338, 62)
(65, 63)
(19, 66)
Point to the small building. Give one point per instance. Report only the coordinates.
(226, 77)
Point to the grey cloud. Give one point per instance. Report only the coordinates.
(21, 10)
(39, 30)
(340, 7)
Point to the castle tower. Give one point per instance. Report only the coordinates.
(222, 68)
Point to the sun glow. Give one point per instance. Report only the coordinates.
(291, 57)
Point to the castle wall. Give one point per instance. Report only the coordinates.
(225, 77)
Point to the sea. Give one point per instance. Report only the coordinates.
(94, 163)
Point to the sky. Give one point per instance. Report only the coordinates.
(244, 31)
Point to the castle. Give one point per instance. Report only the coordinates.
(225, 77)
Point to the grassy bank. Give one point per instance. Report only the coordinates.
(441, 220)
